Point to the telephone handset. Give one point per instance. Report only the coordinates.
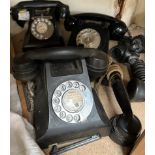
(126, 127)
(65, 106)
(93, 30)
(43, 17)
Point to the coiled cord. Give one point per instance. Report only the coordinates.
(138, 69)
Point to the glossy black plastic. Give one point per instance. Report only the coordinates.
(63, 53)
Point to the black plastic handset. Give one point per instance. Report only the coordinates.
(117, 28)
(126, 127)
(25, 65)
(61, 10)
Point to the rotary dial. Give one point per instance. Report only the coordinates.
(42, 28)
(72, 101)
(89, 38)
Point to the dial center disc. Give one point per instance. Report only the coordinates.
(73, 101)
(41, 27)
(88, 37)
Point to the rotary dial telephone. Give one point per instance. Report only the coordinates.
(65, 105)
(92, 30)
(43, 18)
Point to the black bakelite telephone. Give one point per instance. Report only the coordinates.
(43, 18)
(65, 105)
(92, 30)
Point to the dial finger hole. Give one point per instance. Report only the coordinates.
(82, 88)
(38, 20)
(33, 25)
(77, 118)
(56, 100)
(57, 108)
(35, 22)
(62, 114)
(69, 85)
(58, 93)
(63, 87)
(75, 84)
(69, 118)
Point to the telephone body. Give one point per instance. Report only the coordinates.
(43, 18)
(65, 105)
(93, 30)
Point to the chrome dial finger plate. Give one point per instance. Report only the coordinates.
(72, 101)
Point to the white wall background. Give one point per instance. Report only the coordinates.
(76, 6)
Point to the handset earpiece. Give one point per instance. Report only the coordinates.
(126, 127)
(24, 69)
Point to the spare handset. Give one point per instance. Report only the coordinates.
(42, 17)
(65, 106)
(93, 30)
(126, 127)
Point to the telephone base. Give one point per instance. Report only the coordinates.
(50, 127)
